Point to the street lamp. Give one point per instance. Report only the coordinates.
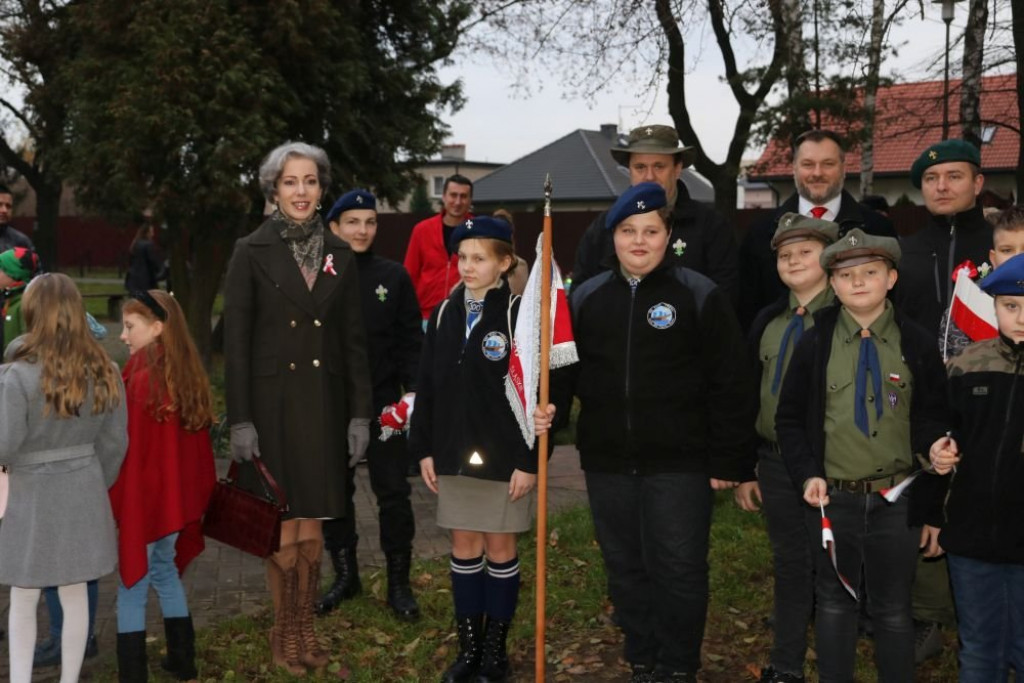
(947, 18)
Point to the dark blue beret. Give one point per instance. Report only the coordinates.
(480, 227)
(642, 198)
(356, 199)
(1006, 279)
(941, 153)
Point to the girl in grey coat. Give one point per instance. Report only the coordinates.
(62, 437)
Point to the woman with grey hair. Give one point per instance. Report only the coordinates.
(297, 380)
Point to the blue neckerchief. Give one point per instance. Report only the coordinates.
(867, 362)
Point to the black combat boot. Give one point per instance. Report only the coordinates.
(131, 657)
(400, 597)
(181, 649)
(494, 660)
(346, 580)
(467, 664)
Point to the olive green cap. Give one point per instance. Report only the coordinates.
(857, 247)
(942, 153)
(793, 227)
(654, 139)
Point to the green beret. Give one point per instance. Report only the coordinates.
(793, 227)
(656, 139)
(941, 153)
(857, 247)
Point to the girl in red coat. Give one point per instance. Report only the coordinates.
(165, 482)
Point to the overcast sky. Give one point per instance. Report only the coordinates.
(498, 126)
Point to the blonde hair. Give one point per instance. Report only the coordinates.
(58, 339)
(178, 382)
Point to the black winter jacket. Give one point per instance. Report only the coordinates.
(710, 244)
(925, 284)
(663, 378)
(759, 282)
(984, 515)
(800, 418)
(461, 404)
(394, 329)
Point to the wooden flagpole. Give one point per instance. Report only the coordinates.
(540, 656)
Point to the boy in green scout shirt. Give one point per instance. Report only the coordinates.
(17, 267)
(863, 398)
(798, 243)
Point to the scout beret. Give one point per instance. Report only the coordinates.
(656, 139)
(356, 199)
(19, 263)
(857, 247)
(480, 227)
(1006, 279)
(795, 228)
(641, 198)
(941, 153)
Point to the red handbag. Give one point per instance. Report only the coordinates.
(243, 519)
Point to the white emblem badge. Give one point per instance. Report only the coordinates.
(640, 205)
(494, 346)
(649, 131)
(852, 240)
(661, 316)
(679, 247)
(359, 199)
(469, 224)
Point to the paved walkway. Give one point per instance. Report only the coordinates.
(225, 582)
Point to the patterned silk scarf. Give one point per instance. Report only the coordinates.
(305, 240)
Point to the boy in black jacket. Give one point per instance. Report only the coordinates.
(864, 393)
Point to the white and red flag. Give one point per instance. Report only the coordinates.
(893, 493)
(524, 364)
(972, 309)
(828, 542)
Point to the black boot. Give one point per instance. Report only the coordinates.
(400, 597)
(466, 665)
(181, 648)
(131, 657)
(346, 580)
(494, 660)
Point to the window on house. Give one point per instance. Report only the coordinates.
(437, 185)
(987, 133)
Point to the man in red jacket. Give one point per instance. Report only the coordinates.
(432, 266)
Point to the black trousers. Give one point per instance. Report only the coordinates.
(388, 463)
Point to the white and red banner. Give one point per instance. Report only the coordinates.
(523, 376)
(828, 542)
(972, 310)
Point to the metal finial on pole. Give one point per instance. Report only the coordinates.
(540, 653)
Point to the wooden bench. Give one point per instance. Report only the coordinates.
(114, 301)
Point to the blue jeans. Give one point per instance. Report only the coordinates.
(653, 532)
(163, 575)
(989, 601)
(57, 614)
(878, 550)
(790, 536)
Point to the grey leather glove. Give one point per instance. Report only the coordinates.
(358, 439)
(244, 442)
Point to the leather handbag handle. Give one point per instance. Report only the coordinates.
(266, 480)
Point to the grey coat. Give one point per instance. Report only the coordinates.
(58, 528)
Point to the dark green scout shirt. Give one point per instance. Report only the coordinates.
(849, 454)
(768, 352)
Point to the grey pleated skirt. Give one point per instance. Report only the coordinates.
(473, 504)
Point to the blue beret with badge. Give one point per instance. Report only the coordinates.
(480, 227)
(641, 198)
(942, 153)
(1007, 279)
(355, 199)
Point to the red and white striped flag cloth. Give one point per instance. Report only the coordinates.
(893, 493)
(828, 542)
(972, 310)
(523, 376)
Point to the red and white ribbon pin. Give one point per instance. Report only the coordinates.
(329, 264)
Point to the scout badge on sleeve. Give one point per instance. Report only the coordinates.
(828, 542)
(396, 417)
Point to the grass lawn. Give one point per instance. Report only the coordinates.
(368, 645)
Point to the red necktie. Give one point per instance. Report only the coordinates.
(818, 211)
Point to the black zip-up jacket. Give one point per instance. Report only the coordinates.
(800, 418)
(984, 515)
(710, 244)
(461, 404)
(760, 284)
(394, 329)
(663, 378)
(925, 284)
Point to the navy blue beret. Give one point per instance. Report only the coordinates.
(356, 199)
(641, 198)
(480, 227)
(1006, 279)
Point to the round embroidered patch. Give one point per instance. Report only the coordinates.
(661, 316)
(494, 346)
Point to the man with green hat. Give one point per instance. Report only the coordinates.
(948, 174)
(700, 237)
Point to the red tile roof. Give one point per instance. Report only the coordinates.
(909, 119)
